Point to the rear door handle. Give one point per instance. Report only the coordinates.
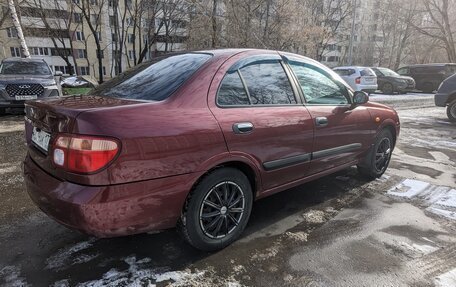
(321, 121)
(242, 128)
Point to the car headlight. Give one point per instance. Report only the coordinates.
(49, 83)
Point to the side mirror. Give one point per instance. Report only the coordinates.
(360, 98)
(58, 74)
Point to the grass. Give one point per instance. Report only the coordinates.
(76, 91)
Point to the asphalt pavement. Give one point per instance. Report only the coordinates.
(341, 230)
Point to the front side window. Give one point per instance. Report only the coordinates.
(153, 81)
(318, 86)
(232, 91)
(267, 83)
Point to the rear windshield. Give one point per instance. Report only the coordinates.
(345, 72)
(366, 73)
(155, 80)
(24, 68)
(386, 72)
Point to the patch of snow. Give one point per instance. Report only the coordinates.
(446, 280)
(297, 236)
(11, 277)
(440, 200)
(314, 216)
(64, 256)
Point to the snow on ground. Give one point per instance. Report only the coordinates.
(12, 278)
(69, 255)
(399, 97)
(446, 280)
(440, 200)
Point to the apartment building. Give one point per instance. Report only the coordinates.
(364, 34)
(65, 33)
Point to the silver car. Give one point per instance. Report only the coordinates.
(24, 79)
(359, 78)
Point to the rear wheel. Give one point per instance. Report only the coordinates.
(378, 158)
(451, 111)
(387, 88)
(217, 210)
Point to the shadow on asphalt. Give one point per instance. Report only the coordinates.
(50, 252)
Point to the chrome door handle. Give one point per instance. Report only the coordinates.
(321, 121)
(242, 128)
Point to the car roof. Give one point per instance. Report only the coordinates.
(351, 67)
(428, 65)
(24, 60)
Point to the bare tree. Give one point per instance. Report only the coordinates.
(17, 25)
(437, 21)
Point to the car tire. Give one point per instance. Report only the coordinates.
(451, 111)
(428, 88)
(378, 158)
(217, 210)
(387, 88)
(2, 111)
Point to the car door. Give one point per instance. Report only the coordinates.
(342, 133)
(262, 118)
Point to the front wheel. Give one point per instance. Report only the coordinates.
(378, 158)
(217, 210)
(388, 88)
(451, 111)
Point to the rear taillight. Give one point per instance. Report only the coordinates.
(358, 80)
(84, 154)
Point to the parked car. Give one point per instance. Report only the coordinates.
(390, 82)
(428, 77)
(359, 78)
(25, 79)
(446, 97)
(77, 82)
(200, 136)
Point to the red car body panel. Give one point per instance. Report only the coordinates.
(167, 146)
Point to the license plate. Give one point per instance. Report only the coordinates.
(25, 98)
(41, 138)
(369, 80)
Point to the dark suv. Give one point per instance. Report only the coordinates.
(428, 77)
(25, 79)
(446, 97)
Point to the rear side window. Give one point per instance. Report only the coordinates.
(267, 83)
(367, 73)
(153, 81)
(403, 71)
(345, 72)
(232, 91)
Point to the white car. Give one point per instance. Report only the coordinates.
(359, 78)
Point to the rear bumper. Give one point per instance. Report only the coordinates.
(367, 88)
(441, 100)
(109, 211)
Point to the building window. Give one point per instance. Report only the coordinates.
(145, 39)
(131, 54)
(76, 2)
(95, 19)
(100, 54)
(112, 2)
(130, 22)
(15, 52)
(39, 51)
(12, 32)
(80, 36)
(112, 21)
(114, 37)
(64, 69)
(77, 17)
(131, 38)
(84, 71)
(104, 70)
(98, 36)
(82, 53)
(93, 2)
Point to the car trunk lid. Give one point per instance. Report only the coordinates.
(45, 119)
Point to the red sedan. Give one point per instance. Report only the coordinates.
(193, 139)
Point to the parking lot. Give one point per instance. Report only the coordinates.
(399, 230)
